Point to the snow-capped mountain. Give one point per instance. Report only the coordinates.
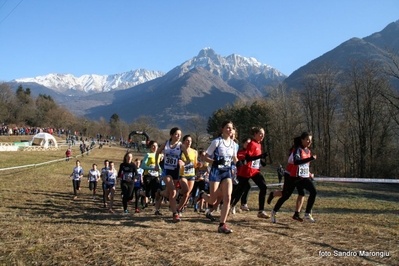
(67, 83)
(232, 66)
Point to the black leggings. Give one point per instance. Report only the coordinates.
(307, 183)
(200, 185)
(240, 191)
(259, 180)
(151, 184)
(127, 192)
(290, 183)
(76, 186)
(136, 194)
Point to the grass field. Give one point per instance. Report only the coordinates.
(42, 224)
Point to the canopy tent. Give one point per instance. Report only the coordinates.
(44, 140)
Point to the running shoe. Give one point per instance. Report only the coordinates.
(125, 211)
(202, 210)
(309, 217)
(75, 197)
(111, 211)
(263, 214)
(176, 218)
(94, 197)
(223, 229)
(157, 212)
(137, 210)
(273, 216)
(233, 210)
(297, 217)
(210, 216)
(270, 198)
(244, 207)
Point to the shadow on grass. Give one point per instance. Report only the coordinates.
(376, 191)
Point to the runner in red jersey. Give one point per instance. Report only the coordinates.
(242, 188)
(251, 169)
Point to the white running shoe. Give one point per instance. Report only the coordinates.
(273, 216)
(309, 217)
(244, 207)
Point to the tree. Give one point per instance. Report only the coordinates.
(320, 101)
(286, 121)
(366, 118)
(6, 102)
(196, 128)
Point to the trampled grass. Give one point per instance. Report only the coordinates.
(42, 224)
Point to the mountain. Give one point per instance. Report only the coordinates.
(70, 85)
(373, 48)
(198, 86)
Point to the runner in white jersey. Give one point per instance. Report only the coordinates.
(76, 176)
(222, 154)
(110, 182)
(92, 178)
(172, 151)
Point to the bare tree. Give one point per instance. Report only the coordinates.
(196, 127)
(285, 121)
(366, 116)
(320, 101)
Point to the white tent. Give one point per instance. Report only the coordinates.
(44, 140)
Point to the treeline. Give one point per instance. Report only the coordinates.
(21, 109)
(352, 115)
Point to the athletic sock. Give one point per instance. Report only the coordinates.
(221, 224)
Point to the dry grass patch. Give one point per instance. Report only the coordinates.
(43, 225)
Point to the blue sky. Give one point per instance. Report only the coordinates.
(80, 37)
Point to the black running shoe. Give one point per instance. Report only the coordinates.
(210, 217)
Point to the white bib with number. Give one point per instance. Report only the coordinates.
(189, 169)
(255, 164)
(303, 170)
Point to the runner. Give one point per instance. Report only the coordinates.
(103, 177)
(76, 176)
(223, 151)
(251, 169)
(172, 150)
(301, 158)
(242, 188)
(127, 172)
(301, 192)
(187, 173)
(68, 153)
(151, 177)
(308, 184)
(138, 181)
(92, 178)
(110, 182)
(202, 174)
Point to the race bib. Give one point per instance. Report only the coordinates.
(255, 164)
(170, 161)
(189, 169)
(128, 176)
(303, 170)
(227, 163)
